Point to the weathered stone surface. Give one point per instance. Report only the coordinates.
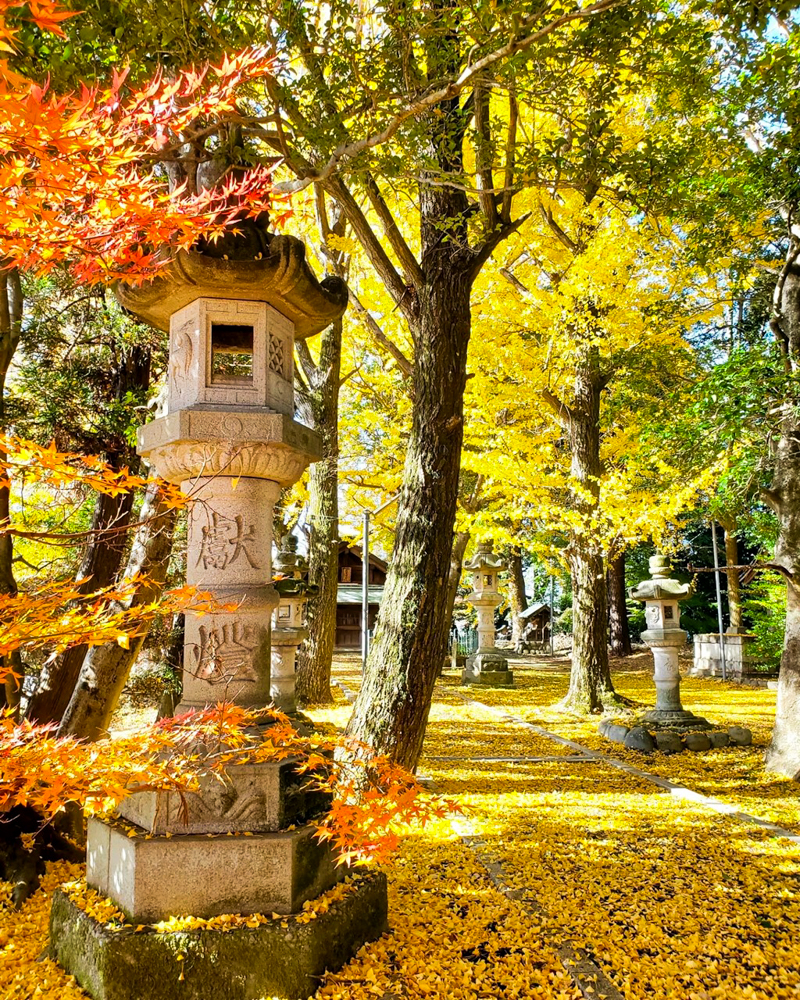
(254, 797)
(616, 732)
(697, 742)
(602, 727)
(242, 964)
(668, 742)
(201, 441)
(719, 739)
(639, 739)
(205, 875)
(740, 736)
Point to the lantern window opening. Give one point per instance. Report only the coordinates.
(284, 612)
(232, 354)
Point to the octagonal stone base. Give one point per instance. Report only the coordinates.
(282, 958)
(152, 878)
(680, 719)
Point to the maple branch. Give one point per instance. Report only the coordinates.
(408, 262)
(447, 91)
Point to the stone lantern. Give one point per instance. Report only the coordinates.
(487, 666)
(664, 635)
(245, 844)
(288, 623)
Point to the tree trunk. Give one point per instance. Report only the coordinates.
(590, 679)
(734, 586)
(619, 630)
(516, 594)
(460, 543)
(391, 711)
(99, 568)
(11, 305)
(105, 669)
(105, 551)
(783, 754)
(320, 407)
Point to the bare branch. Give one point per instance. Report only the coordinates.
(561, 410)
(547, 218)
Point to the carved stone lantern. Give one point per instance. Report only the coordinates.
(487, 666)
(288, 623)
(229, 438)
(664, 635)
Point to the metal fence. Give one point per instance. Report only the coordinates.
(465, 642)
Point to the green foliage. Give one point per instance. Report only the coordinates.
(764, 605)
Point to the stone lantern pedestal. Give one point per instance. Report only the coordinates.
(288, 624)
(487, 666)
(664, 636)
(244, 845)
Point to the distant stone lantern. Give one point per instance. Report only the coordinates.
(487, 666)
(288, 623)
(664, 635)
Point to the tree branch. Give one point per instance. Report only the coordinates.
(484, 156)
(348, 150)
(492, 241)
(372, 246)
(408, 262)
(561, 410)
(380, 337)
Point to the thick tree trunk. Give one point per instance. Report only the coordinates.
(734, 586)
(99, 568)
(517, 599)
(320, 406)
(105, 669)
(783, 754)
(11, 305)
(391, 710)
(590, 679)
(619, 630)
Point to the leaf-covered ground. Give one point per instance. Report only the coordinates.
(670, 900)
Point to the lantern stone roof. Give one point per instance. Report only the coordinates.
(485, 557)
(660, 587)
(282, 277)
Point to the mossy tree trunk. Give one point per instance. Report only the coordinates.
(319, 406)
(732, 575)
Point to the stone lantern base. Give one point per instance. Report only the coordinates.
(280, 958)
(488, 668)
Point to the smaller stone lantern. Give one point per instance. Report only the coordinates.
(664, 635)
(288, 623)
(487, 666)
